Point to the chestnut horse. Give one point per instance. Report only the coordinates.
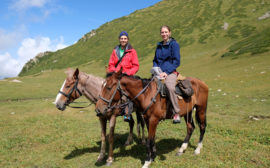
(79, 83)
(155, 107)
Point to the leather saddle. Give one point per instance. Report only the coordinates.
(183, 88)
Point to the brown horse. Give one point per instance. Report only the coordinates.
(156, 108)
(79, 83)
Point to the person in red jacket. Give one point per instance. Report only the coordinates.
(124, 56)
(129, 63)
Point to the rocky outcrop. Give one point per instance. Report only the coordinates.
(88, 35)
(35, 60)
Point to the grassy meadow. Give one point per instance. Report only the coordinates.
(35, 134)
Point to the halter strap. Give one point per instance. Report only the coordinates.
(71, 91)
(111, 99)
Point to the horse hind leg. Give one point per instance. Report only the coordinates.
(201, 120)
(190, 129)
(130, 135)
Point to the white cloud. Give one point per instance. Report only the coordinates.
(32, 10)
(9, 67)
(30, 47)
(25, 4)
(9, 39)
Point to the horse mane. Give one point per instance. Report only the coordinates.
(144, 81)
(91, 77)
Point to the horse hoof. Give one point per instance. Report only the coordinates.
(196, 153)
(143, 142)
(108, 163)
(127, 143)
(147, 164)
(100, 158)
(179, 153)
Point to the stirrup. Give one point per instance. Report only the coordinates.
(127, 118)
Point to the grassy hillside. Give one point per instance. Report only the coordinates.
(193, 22)
(234, 63)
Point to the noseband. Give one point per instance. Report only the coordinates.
(71, 91)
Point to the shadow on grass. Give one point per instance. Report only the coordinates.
(137, 151)
(78, 152)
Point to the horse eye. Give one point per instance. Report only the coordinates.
(109, 89)
(67, 86)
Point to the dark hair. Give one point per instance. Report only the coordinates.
(165, 26)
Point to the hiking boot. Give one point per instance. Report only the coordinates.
(176, 119)
(126, 118)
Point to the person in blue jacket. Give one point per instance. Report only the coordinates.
(167, 58)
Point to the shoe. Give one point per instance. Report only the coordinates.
(126, 118)
(176, 119)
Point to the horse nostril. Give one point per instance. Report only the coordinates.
(98, 112)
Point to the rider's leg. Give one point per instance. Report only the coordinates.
(170, 83)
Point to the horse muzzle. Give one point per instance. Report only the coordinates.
(101, 109)
(61, 106)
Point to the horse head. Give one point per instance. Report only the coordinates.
(110, 92)
(70, 90)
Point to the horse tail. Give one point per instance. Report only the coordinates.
(201, 94)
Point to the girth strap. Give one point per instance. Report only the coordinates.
(153, 100)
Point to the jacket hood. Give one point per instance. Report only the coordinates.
(170, 40)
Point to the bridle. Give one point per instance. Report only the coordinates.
(75, 88)
(109, 102)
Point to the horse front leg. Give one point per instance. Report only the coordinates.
(190, 129)
(140, 122)
(151, 146)
(111, 138)
(103, 122)
(130, 135)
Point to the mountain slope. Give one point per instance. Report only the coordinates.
(237, 23)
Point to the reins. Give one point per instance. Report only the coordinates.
(80, 106)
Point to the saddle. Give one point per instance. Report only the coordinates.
(183, 87)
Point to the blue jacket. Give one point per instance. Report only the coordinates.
(167, 56)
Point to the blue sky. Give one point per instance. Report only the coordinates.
(28, 27)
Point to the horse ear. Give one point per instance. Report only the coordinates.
(107, 69)
(119, 73)
(121, 70)
(76, 74)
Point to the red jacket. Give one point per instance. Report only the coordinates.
(129, 63)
